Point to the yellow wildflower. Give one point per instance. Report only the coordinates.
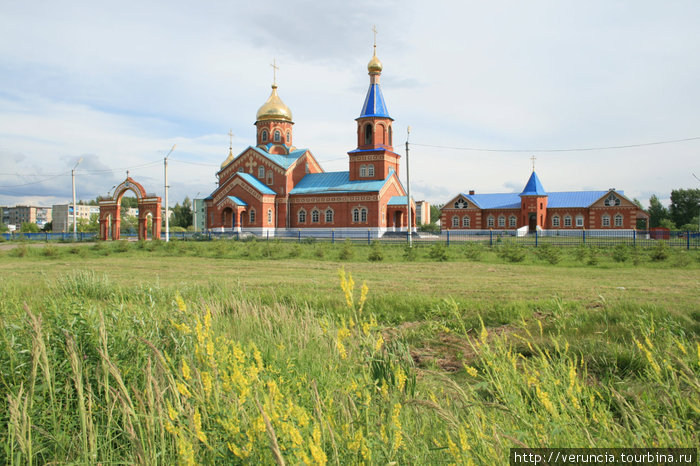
(363, 297)
(180, 303)
(185, 370)
(396, 422)
(379, 343)
(197, 418)
(471, 370)
(185, 451)
(400, 378)
(206, 383)
(182, 388)
(182, 328)
(172, 413)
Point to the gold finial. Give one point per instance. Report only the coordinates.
(533, 158)
(374, 66)
(127, 173)
(230, 139)
(274, 72)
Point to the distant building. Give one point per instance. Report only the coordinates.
(63, 216)
(537, 209)
(199, 214)
(422, 213)
(26, 214)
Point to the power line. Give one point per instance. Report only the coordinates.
(578, 149)
(34, 182)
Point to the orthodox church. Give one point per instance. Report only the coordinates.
(536, 209)
(274, 186)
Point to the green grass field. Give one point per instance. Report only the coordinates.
(237, 352)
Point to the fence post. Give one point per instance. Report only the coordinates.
(448, 237)
(332, 235)
(268, 235)
(584, 236)
(369, 239)
(491, 237)
(536, 236)
(299, 236)
(634, 237)
(687, 237)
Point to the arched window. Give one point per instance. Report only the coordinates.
(302, 216)
(466, 221)
(269, 216)
(363, 171)
(363, 215)
(261, 172)
(278, 136)
(567, 221)
(501, 221)
(512, 221)
(579, 221)
(289, 137)
(252, 216)
(461, 204)
(555, 221)
(315, 216)
(263, 136)
(381, 134)
(490, 221)
(455, 221)
(390, 143)
(368, 133)
(370, 170)
(329, 215)
(612, 200)
(605, 220)
(618, 220)
(269, 177)
(356, 215)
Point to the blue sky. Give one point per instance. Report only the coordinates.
(119, 83)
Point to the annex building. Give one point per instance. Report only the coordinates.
(536, 209)
(274, 187)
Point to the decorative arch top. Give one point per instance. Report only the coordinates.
(129, 185)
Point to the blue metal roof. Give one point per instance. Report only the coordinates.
(533, 187)
(284, 161)
(237, 200)
(570, 199)
(256, 183)
(374, 105)
(397, 200)
(335, 182)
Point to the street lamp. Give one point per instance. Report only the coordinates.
(194, 211)
(167, 218)
(75, 223)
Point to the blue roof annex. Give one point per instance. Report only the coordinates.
(336, 182)
(284, 161)
(237, 200)
(557, 200)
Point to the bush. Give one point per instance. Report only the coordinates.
(682, 259)
(50, 250)
(375, 253)
(320, 252)
(346, 252)
(409, 253)
(512, 252)
(438, 252)
(621, 253)
(660, 251)
(473, 251)
(549, 253)
(592, 256)
(20, 251)
(430, 228)
(581, 253)
(295, 251)
(121, 246)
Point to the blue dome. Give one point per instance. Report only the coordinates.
(533, 187)
(374, 105)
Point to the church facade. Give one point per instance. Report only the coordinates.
(537, 209)
(275, 187)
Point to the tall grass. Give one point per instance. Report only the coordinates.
(97, 372)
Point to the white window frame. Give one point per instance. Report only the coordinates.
(278, 135)
(605, 221)
(251, 216)
(329, 215)
(264, 135)
(356, 215)
(619, 220)
(370, 169)
(490, 221)
(261, 172)
(363, 171)
(363, 215)
(512, 221)
(455, 221)
(612, 200)
(466, 221)
(501, 221)
(579, 221)
(301, 215)
(270, 179)
(315, 216)
(556, 221)
(269, 216)
(568, 221)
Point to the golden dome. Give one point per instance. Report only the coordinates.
(229, 159)
(374, 65)
(274, 108)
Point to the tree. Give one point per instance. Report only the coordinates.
(182, 214)
(3, 227)
(28, 227)
(48, 226)
(92, 225)
(684, 207)
(657, 212)
(435, 213)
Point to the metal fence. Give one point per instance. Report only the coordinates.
(559, 238)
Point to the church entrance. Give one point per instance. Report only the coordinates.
(532, 223)
(148, 206)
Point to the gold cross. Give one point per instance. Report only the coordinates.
(230, 139)
(533, 158)
(274, 71)
(374, 30)
(127, 173)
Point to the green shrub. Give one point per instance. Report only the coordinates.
(20, 250)
(592, 256)
(50, 251)
(681, 259)
(294, 251)
(581, 253)
(375, 252)
(346, 252)
(621, 253)
(511, 252)
(410, 253)
(660, 252)
(121, 246)
(549, 253)
(438, 252)
(473, 251)
(320, 251)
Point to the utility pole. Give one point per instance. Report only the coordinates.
(408, 191)
(167, 217)
(75, 222)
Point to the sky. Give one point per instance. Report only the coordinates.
(117, 84)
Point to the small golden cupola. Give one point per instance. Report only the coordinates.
(274, 108)
(273, 122)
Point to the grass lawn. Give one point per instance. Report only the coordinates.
(250, 351)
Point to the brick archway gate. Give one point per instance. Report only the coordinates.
(148, 204)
